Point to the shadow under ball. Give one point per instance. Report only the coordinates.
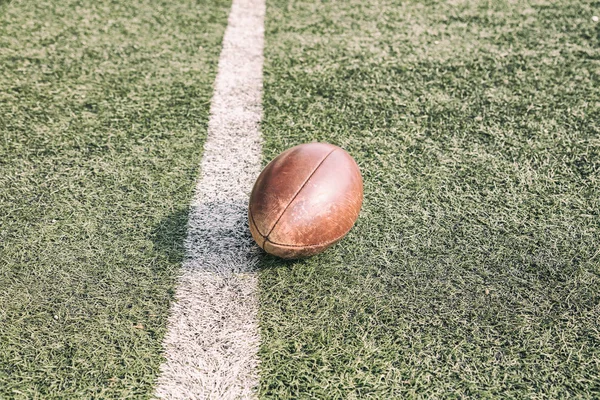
(305, 200)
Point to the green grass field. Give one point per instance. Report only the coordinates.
(103, 110)
(474, 268)
(473, 271)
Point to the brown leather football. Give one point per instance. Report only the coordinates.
(305, 200)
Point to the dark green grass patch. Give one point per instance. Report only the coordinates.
(103, 111)
(474, 268)
(3, 5)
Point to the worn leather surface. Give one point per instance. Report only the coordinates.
(305, 200)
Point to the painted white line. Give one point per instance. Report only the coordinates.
(212, 341)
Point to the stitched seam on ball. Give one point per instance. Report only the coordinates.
(254, 223)
(308, 245)
(257, 230)
(297, 193)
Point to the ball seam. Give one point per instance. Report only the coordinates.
(297, 193)
(309, 245)
(254, 223)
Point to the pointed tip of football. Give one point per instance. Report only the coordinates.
(305, 200)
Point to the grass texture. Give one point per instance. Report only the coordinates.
(103, 110)
(473, 271)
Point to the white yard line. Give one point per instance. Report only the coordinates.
(212, 341)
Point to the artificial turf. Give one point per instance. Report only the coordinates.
(103, 111)
(473, 270)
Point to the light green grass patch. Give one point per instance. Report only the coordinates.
(103, 112)
(473, 269)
